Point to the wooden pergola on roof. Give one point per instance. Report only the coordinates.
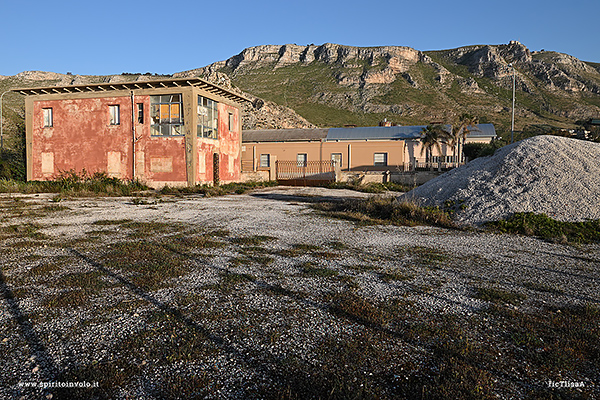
(151, 84)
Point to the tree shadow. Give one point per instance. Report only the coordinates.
(47, 368)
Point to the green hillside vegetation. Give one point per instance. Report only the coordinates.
(340, 90)
(313, 90)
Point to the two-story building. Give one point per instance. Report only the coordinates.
(174, 132)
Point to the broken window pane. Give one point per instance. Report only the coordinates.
(48, 121)
(166, 114)
(115, 117)
(207, 118)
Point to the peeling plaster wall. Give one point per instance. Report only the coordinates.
(82, 138)
(229, 143)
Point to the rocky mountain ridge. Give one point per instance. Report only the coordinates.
(383, 80)
(333, 85)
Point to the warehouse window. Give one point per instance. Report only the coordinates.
(207, 118)
(265, 160)
(115, 116)
(301, 159)
(337, 157)
(380, 159)
(166, 115)
(48, 120)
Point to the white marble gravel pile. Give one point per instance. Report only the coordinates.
(557, 176)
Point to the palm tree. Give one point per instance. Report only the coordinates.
(466, 123)
(432, 136)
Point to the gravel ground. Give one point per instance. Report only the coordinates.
(281, 311)
(557, 176)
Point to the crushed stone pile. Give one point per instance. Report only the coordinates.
(557, 176)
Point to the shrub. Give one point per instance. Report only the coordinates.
(386, 210)
(530, 224)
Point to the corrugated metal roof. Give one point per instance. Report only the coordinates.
(483, 130)
(359, 133)
(377, 133)
(283, 135)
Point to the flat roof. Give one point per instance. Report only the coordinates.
(151, 84)
(284, 135)
(482, 130)
(359, 133)
(376, 133)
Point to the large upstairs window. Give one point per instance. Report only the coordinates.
(167, 115)
(208, 118)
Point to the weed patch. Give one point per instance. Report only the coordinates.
(218, 190)
(385, 210)
(71, 183)
(312, 270)
(393, 276)
(499, 296)
(27, 230)
(148, 264)
(540, 287)
(541, 225)
(252, 240)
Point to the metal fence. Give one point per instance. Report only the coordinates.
(305, 173)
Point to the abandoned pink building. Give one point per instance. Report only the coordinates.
(177, 132)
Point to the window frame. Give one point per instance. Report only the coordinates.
(47, 117)
(114, 114)
(383, 163)
(230, 122)
(161, 105)
(208, 129)
(140, 113)
(268, 161)
(340, 157)
(299, 162)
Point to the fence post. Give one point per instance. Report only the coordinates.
(337, 171)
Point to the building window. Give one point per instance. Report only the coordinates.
(208, 115)
(115, 115)
(301, 159)
(337, 157)
(48, 120)
(380, 159)
(166, 115)
(231, 122)
(265, 160)
(140, 113)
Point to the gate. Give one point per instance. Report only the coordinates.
(307, 173)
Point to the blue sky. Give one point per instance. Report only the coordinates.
(111, 37)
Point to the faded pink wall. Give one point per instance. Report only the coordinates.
(230, 144)
(81, 138)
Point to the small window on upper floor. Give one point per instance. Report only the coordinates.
(48, 119)
(231, 121)
(115, 115)
(140, 113)
(208, 118)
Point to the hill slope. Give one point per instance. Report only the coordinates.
(333, 85)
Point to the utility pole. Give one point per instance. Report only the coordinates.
(512, 125)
